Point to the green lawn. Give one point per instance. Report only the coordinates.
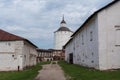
(28, 74)
(77, 72)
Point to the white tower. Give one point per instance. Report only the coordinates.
(62, 35)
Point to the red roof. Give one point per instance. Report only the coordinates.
(6, 36)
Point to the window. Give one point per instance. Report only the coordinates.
(86, 57)
(13, 55)
(117, 27)
(92, 53)
(82, 60)
(9, 44)
(82, 40)
(91, 36)
(117, 36)
(92, 61)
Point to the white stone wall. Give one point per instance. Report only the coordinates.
(10, 55)
(69, 49)
(109, 37)
(14, 54)
(7, 46)
(61, 38)
(85, 50)
(103, 51)
(86, 45)
(30, 54)
(7, 62)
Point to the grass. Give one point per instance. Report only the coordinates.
(28, 74)
(77, 72)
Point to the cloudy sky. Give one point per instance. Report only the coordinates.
(36, 20)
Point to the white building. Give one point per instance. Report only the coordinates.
(61, 36)
(16, 53)
(96, 43)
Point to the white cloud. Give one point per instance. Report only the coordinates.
(38, 19)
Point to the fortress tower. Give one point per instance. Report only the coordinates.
(62, 35)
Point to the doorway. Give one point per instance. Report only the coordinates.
(71, 58)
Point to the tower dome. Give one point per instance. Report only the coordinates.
(62, 35)
(64, 29)
(63, 26)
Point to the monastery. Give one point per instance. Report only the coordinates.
(96, 44)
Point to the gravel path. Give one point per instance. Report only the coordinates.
(51, 72)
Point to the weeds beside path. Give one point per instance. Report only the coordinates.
(28, 74)
(77, 72)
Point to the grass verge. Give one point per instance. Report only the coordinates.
(28, 74)
(77, 72)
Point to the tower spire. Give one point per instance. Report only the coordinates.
(63, 21)
(63, 16)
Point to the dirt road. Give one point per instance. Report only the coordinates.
(51, 72)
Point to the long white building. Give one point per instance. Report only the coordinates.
(96, 43)
(16, 53)
(62, 35)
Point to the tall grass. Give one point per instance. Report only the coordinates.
(28, 74)
(77, 72)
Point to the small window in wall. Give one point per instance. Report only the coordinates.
(82, 60)
(86, 57)
(92, 54)
(117, 27)
(9, 44)
(91, 36)
(92, 61)
(13, 55)
(117, 36)
(82, 40)
(25, 56)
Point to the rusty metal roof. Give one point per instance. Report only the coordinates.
(6, 36)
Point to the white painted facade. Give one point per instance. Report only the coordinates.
(16, 53)
(97, 43)
(61, 38)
